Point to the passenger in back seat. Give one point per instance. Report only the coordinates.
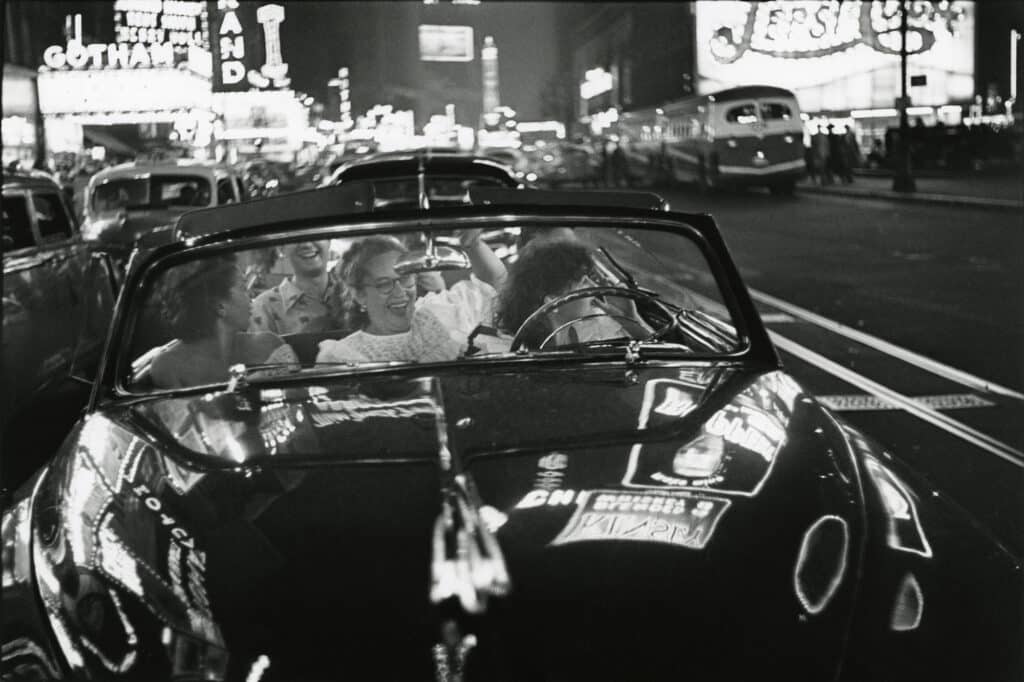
(206, 306)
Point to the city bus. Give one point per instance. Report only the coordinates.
(748, 135)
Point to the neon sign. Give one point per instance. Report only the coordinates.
(113, 55)
(235, 44)
(177, 22)
(836, 55)
(801, 30)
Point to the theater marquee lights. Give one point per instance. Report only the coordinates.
(179, 23)
(243, 33)
(837, 55)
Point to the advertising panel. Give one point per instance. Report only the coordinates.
(446, 43)
(179, 23)
(837, 55)
(245, 39)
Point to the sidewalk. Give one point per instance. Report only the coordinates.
(1003, 190)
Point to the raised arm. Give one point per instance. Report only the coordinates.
(486, 264)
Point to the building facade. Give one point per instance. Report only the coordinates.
(841, 59)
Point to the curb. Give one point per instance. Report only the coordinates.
(917, 197)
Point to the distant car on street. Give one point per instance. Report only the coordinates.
(58, 293)
(448, 176)
(126, 202)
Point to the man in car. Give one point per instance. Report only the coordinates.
(300, 302)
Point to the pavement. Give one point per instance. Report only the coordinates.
(1002, 190)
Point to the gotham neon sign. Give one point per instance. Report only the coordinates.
(805, 30)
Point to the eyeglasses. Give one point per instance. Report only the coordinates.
(385, 285)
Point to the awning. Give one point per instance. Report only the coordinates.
(107, 140)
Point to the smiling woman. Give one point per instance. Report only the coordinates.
(394, 324)
(207, 307)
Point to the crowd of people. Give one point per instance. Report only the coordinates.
(379, 313)
(832, 155)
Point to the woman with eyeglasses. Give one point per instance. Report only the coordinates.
(394, 323)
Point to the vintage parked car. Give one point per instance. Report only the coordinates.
(613, 479)
(129, 201)
(58, 297)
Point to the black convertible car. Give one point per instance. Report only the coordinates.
(584, 463)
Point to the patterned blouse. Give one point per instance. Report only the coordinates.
(441, 325)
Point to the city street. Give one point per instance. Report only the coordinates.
(905, 319)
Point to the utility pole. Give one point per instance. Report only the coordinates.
(902, 181)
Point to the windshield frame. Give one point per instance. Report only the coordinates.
(115, 369)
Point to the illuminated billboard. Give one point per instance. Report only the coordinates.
(102, 91)
(446, 43)
(245, 39)
(837, 55)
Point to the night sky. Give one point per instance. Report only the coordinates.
(319, 37)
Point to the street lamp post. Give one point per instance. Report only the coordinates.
(902, 181)
(1014, 37)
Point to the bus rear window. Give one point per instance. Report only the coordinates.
(745, 114)
(775, 111)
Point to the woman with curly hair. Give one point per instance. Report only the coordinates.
(207, 307)
(547, 269)
(393, 322)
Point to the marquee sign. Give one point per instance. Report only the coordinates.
(246, 46)
(837, 55)
(149, 34)
(179, 23)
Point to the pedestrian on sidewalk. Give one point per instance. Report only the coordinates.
(837, 157)
(819, 143)
(850, 153)
(809, 161)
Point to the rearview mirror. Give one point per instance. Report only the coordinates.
(433, 258)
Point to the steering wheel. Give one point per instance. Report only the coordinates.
(586, 292)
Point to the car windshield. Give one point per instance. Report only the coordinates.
(341, 302)
(441, 190)
(153, 192)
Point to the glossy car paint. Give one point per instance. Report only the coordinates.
(58, 299)
(657, 520)
(720, 576)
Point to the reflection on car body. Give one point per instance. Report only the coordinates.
(58, 293)
(561, 499)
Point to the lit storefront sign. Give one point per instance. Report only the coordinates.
(149, 33)
(275, 116)
(446, 43)
(241, 33)
(121, 90)
(179, 23)
(837, 55)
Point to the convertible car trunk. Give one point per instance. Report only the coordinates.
(619, 568)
